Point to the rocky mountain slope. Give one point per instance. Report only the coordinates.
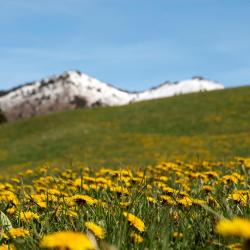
(74, 89)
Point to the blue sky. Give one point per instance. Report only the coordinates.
(133, 44)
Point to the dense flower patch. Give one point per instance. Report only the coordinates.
(172, 205)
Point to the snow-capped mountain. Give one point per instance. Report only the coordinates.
(74, 89)
(167, 89)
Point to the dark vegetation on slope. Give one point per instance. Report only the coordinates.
(2, 117)
(209, 125)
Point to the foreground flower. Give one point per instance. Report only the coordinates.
(84, 199)
(95, 229)
(67, 240)
(17, 232)
(7, 247)
(28, 216)
(136, 238)
(235, 227)
(176, 235)
(135, 221)
(235, 246)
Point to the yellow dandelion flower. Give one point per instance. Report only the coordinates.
(135, 221)
(198, 202)
(176, 235)
(163, 178)
(226, 179)
(235, 246)
(18, 232)
(98, 231)
(136, 238)
(169, 190)
(174, 215)
(67, 240)
(9, 197)
(213, 202)
(28, 171)
(166, 199)
(119, 190)
(67, 212)
(79, 183)
(11, 210)
(15, 180)
(186, 201)
(125, 204)
(84, 199)
(239, 198)
(151, 200)
(235, 227)
(7, 247)
(28, 216)
(42, 204)
(207, 188)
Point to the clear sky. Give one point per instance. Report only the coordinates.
(133, 44)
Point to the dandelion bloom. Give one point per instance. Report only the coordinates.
(235, 246)
(84, 199)
(186, 201)
(151, 200)
(28, 216)
(176, 235)
(235, 227)
(11, 210)
(95, 229)
(135, 221)
(67, 240)
(7, 247)
(136, 238)
(17, 232)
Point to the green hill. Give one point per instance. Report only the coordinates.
(209, 125)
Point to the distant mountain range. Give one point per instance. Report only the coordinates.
(74, 89)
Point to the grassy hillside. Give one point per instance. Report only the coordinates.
(212, 125)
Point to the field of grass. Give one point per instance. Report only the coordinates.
(168, 206)
(164, 174)
(212, 125)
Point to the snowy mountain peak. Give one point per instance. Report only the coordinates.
(73, 89)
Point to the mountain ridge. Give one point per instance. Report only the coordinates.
(74, 89)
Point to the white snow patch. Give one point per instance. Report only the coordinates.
(64, 88)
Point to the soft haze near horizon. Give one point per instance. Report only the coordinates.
(130, 44)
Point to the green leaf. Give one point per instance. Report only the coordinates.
(5, 223)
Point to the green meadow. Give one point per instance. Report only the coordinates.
(210, 125)
(170, 173)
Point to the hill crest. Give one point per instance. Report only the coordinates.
(73, 89)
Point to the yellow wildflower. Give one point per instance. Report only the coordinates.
(198, 202)
(135, 221)
(239, 197)
(136, 238)
(17, 232)
(167, 200)
(235, 227)
(7, 247)
(235, 246)
(42, 204)
(98, 231)
(207, 188)
(176, 235)
(67, 240)
(28, 216)
(11, 210)
(151, 199)
(84, 199)
(119, 190)
(125, 204)
(186, 201)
